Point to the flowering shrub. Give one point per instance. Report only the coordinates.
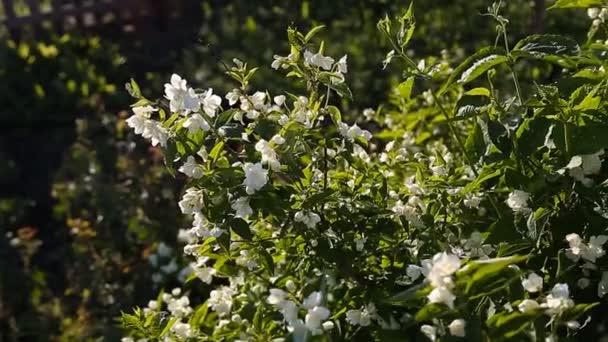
(475, 212)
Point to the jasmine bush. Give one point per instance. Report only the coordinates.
(463, 208)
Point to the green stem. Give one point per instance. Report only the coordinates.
(463, 149)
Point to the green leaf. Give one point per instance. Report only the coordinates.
(430, 311)
(313, 32)
(507, 325)
(241, 227)
(542, 45)
(478, 92)
(408, 25)
(405, 88)
(267, 260)
(482, 277)
(133, 89)
(577, 3)
(577, 311)
(216, 150)
(335, 114)
(475, 66)
(414, 293)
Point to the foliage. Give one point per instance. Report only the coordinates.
(474, 210)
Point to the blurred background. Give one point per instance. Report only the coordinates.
(88, 217)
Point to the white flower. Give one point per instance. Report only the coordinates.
(369, 113)
(581, 166)
(328, 325)
(314, 318)
(182, 99)
(358, 317)
(353, 132)
(144, 111)
(282, 62)
(276, 297)
(527, 305)
(204, 273)
(233, 97)
(518, 201)
(269, 156)
(242, 208)
(342, 67)
(155, 132)
(318, 60)
(192, 201)
(429, 331)
(220, 300)
(443, 266)
(277, 139)
(442, 295)
(137, 122)
(413, 272)
(279, 100)
(195, 123)
(313, 299)
(211, 103)
(191, 169)
(593, 12)
(182, 330)
(578, 249)
(255, 177)
(558, 301)
(534, 283)
(476, 247)
(360, 243)
(457, 327)
(309, 219)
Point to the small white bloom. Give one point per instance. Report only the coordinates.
(429, 331)
(443, 266)
(155, 132)
(233, 97)
(220, 300)
(195, 123)
(534, 283)
(457, 327)
(527, 305)
(593, 12)
(442, 295)
(211, 103)
(413, 272)
(191, 169)
(241, 207)
(277, 139)
(328, 325)
(182, 99)
(360, 243)
(279, 100)
(342, 66)
(192, 201)
(269, 155)
(255, 177)
(518, 201)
